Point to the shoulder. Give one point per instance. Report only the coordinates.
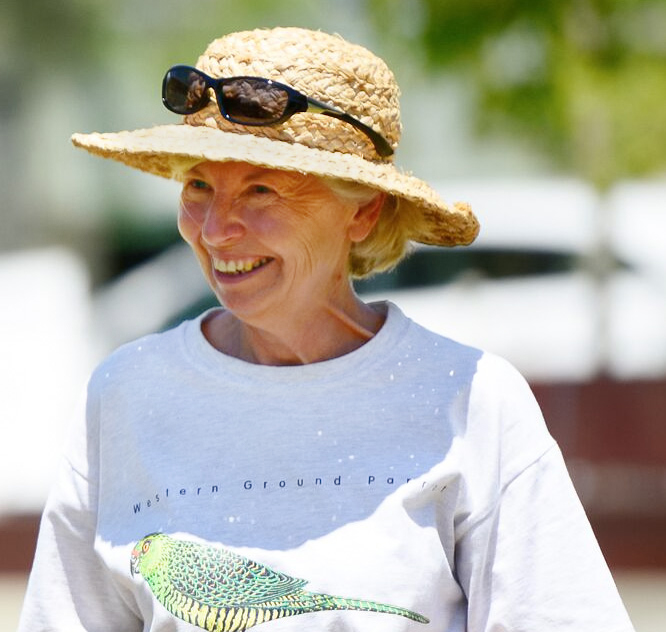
(506, 424)
(142, 358)
(409, 333)
(501, 391)
(496, 377)
(492, 375)
(502, 417)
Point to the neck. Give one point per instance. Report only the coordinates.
(333, 330)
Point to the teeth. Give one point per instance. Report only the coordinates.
(238, 267)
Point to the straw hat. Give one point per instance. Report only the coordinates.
(322, 66)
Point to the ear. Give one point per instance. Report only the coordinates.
(365, 218)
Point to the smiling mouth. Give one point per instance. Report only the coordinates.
(240, 266)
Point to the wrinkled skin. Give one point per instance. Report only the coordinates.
(290, 236)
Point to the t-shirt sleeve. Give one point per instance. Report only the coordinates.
(69, 589)
(528, 560)
(533, 562)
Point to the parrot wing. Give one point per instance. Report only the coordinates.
(220, 578)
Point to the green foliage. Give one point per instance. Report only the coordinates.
(44, 34)
(584, 80)
(71, 33)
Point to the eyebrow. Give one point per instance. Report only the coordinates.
(256, 172)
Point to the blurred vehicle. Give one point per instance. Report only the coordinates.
(563, 283)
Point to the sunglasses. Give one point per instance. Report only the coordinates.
(250, 101)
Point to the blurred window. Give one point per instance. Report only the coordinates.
(427, 267)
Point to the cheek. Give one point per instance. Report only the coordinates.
(188, 226)
(320, 234)
(323, 250)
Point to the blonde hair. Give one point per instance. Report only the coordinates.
(389, 240)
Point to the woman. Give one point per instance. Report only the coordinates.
(299, 459)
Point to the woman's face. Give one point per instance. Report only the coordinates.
(269, 242)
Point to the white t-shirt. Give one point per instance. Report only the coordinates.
(413, 478)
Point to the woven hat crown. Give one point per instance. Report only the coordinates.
(322, 66)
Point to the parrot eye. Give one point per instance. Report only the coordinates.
(146, 546)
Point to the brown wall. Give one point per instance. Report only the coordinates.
(613, 436)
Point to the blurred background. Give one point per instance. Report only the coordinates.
(547, 116)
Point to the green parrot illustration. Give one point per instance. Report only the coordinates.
(221, 591)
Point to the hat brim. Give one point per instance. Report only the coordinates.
(170, 150)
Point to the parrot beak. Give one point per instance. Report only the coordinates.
(134, 563)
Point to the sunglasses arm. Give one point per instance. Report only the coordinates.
(381, 144)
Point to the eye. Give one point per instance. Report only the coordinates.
(195, 190)
(198, 184)
(261, 189)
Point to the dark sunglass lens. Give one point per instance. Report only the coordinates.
(185, 91)
(253, 101)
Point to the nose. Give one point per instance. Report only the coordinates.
(223, 223)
